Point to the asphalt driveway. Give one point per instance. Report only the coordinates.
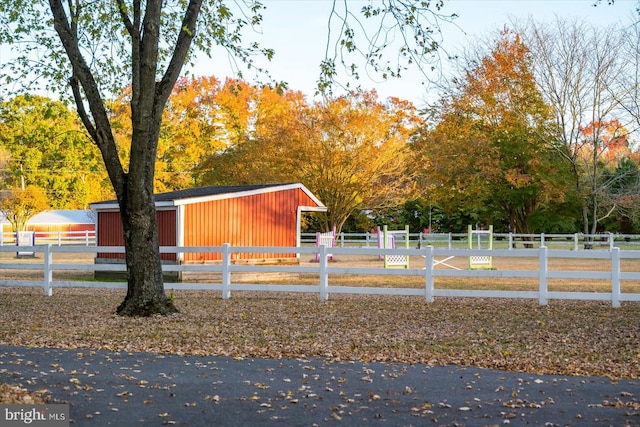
(129, 389)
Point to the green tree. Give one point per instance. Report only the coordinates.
(48, 148)
(102, 44)
(491, 149)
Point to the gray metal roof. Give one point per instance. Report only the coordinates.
(190, 195)
(211, 190)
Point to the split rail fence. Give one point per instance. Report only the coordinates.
(324, 269)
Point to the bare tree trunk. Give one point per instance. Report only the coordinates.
(145, 291)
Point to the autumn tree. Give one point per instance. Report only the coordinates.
(616, 176)
(262, 154)
(202, 116)
(49, 149)
(490, 149)
(106, 45)
(352, 151)
(357, 155)
(584, 73)
(18, 205)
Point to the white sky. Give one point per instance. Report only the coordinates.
(297, 30)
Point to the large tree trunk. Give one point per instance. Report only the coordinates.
(134, 188)
(145, 291)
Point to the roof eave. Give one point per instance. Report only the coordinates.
(191, 200)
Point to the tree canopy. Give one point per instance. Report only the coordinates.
(48, 148)
(352, 152)
(491, 148)
(20, 204)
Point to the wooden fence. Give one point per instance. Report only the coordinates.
(324, 270)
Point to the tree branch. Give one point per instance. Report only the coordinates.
(122, 9)
(82, 112)
(183, 44)
(100, 129)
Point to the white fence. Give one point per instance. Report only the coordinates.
(323, 270)
(575, 241)
(59, 238)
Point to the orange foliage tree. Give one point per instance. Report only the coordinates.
(18, 205)
(609, 169)
(202, 117)
(352, 151)
(490, 150)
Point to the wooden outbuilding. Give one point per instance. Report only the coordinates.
(243, 215)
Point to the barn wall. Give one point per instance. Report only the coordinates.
(110, 232)
(267, 219)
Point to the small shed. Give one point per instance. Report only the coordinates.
(242, 215)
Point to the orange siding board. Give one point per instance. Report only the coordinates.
(267, 219)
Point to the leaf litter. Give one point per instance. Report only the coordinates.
(575, 338)
(564, 337)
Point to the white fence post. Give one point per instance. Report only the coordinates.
(428, 272)
(575, 241)
(86, 238)
(611, 239)
(226, 271)
(48, 272)
(510, 240)
(615, 277)
(324, 274)
(542, 274)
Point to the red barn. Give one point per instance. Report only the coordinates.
(243, 215)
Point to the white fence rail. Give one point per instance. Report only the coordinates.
(575, 241)
(324, 269)
(59, 238)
